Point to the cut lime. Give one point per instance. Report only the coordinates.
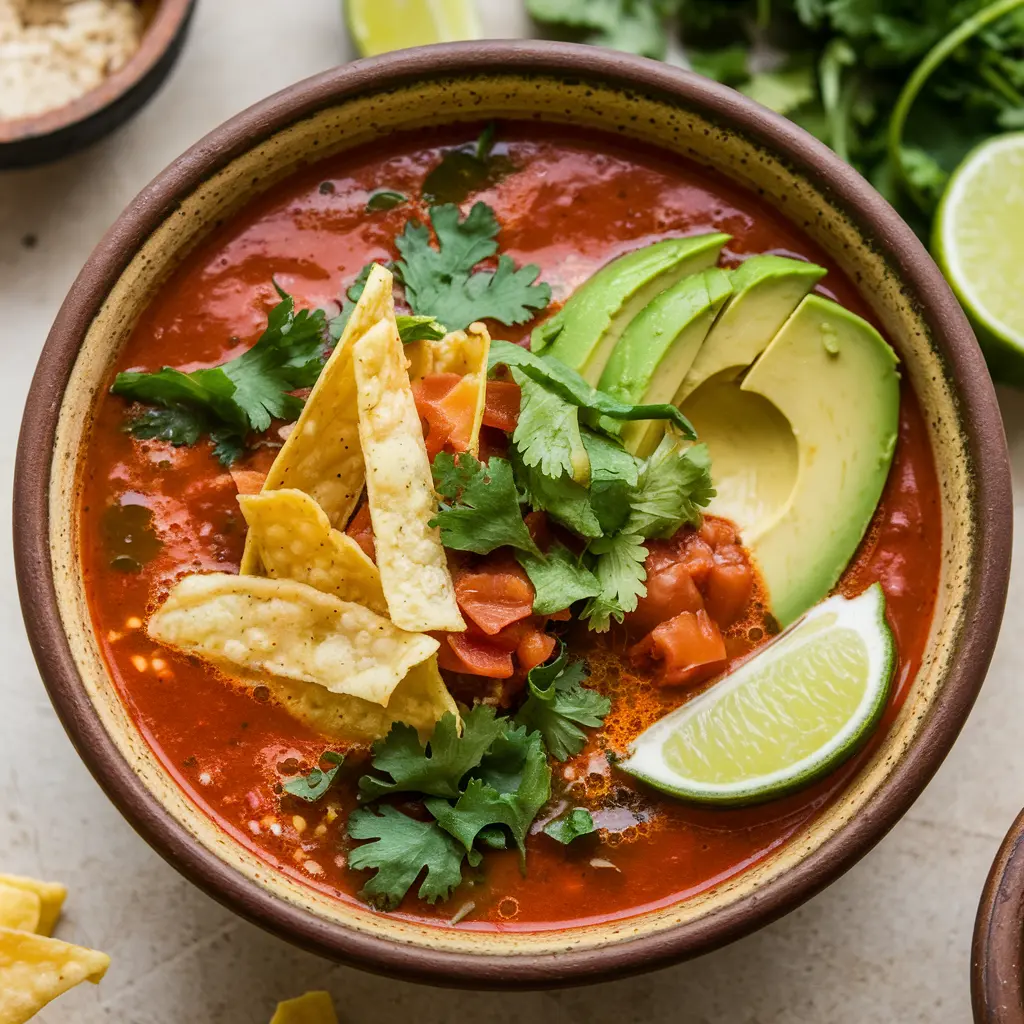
(979, 242)
(794, 711)
(381, 25)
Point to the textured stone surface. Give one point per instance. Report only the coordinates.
(889, 942)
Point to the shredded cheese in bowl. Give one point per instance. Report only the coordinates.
(53, 52)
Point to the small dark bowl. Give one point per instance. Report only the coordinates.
(57, 133)
(997, 980)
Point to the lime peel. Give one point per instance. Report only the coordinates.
(790, 714)
(378, 26)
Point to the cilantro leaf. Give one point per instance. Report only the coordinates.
(635, 26)
(619, 569)
(243, 394)
(419, 328)
(480, 505)
(511, 797)
(465, 170)
(314, 785)
(442, 281)
(403, 848)
(673, 487)
(437, 768)
(614, 474)
(558, 704)
(547, 433)
(558, 580)
(569, 385)
(571, 825)
(566, 502)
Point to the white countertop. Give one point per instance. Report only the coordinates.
(890, 942)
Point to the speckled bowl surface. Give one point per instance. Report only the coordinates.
(633, 98)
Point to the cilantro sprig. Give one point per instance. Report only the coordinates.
(240, 396)
(571, 825)
(315, 785)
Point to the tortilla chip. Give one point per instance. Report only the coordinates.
(311, 1008)
(51, 899)
(19, 908)
(419, 700)
(462, 352)
(35, 970)
(399, 488)
(294, 540)
(322, 455)
(290, 630)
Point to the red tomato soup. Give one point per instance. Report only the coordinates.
(152, 513)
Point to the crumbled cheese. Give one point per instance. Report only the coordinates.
(134, 622)
(299, 823)
(140, 663)
(53, 52)
(254, 828)
(205, 779)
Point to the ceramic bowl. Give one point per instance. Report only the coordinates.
(997, 978)
(57, 133)
(631, 98)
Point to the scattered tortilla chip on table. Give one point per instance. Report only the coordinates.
(322, 455)
(465, 353)
(51, 899)
(294, 540)
(34, 970)
(19, 908)
(399, 487)
(311, 1008)
(419, 700)
(291, 630)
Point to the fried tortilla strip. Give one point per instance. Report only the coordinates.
(290, 630)
(399, 488)
(321, 455)
(51, 897)
(311, 1008)
(294, 540)
(19, 908)
(465, 353)
(35, 969)
(419, 700)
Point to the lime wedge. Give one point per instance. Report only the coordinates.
(381, 25)
(794, 711)
(979, 243)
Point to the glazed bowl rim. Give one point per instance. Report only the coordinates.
(874, 218)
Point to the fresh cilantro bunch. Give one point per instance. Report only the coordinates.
(901, 89)
(245, 394)
(482, 787)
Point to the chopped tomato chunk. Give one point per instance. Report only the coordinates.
(534, 649)
(684, 650)
(360, 529)
(465, 652)
(495, 596)
(502, 408)
(670, 590)
(429, 394)
(717, 532)
(728, 591)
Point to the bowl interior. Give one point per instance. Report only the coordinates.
(641, 114)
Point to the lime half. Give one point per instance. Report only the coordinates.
(979, 242)
(381, 25)
(791, 713)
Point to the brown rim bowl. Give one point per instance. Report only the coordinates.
(28, 141)
(997, 954)
(627, 97)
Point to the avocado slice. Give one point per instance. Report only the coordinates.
(584, 331)
(658, 346)
(765, 291)
(802, 448)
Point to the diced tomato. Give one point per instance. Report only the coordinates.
(717, 532)
(534, 649)
(248, 481)
(686, 649)
(465, 652)
(540, 529)
(429, 394)
(670, 590)
(728, 591)
(360, 529)
(495, 596)
(502, 408)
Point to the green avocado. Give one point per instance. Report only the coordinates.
(658, 346)
(584, 331)
(765, 291)
(801, 448)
